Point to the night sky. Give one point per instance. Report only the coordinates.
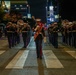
(67, 9)
(37, 8)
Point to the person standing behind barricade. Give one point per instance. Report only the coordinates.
(18, 34)
(55, 35)
(15, 34)
(24, 31)
(29, 33)
(63, 33)
(74, 33)
(50, 33)
(70, 33)
(9, 30)
(20, 25)
(1, 32)
(38, 37)
(67, 34)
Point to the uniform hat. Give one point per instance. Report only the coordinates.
(38, 19)
(55, 23)
(70, 23)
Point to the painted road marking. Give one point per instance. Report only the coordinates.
(19, 60)
(72, 53)
(51, 60)
(1, 52)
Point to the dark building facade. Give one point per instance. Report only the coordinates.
(20, 6)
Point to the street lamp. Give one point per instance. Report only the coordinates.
(28, 8)
(46, 14)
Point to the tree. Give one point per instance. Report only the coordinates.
(1, 13)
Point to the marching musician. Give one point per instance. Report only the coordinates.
(38, 37)
(10, 31)
(55, 35)
(24, 31)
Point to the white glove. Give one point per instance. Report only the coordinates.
(44, 39)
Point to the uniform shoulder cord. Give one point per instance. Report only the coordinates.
(37, 33)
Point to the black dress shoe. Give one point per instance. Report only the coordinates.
(10, 47)
(40, 57)
(24, 47)
(55, 47)
(37, 56)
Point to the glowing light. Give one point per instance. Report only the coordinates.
(20, 5)
(56, 16)
(3, 5)
(51, 19)
(15, 5)
(51, 7)
(7, 3)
